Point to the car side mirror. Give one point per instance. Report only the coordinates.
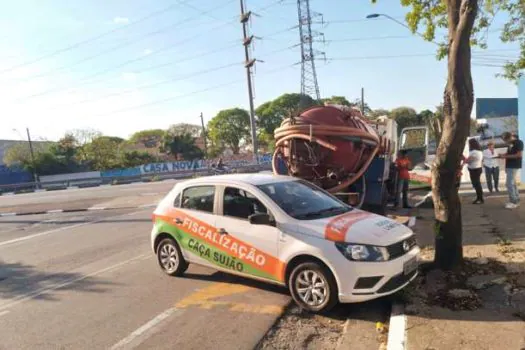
(261, 219)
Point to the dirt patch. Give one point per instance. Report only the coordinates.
(298, 329)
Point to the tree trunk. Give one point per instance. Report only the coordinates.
(457, 107)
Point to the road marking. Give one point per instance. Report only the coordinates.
(147, 205)
(397, 328)
(25, 238)
(5, 312)
(142, 333)
(66, 283)
(97, 208)
(204, 299)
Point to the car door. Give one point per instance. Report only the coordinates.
(194, 219)
(253, 248)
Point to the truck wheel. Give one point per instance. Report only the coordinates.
(170, 258)
(313, 287)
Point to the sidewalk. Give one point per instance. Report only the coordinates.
(482, 306)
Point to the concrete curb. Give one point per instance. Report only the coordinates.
(345, 330)
(56, 211)
(397, 328)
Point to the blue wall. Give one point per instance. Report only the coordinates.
(9, 176)
(496, 107)
(521, 113)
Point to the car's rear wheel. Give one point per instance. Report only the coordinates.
(170, 257)
(313, 287)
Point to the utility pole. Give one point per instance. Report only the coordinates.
(249, 62)
(35, 174)
(204, 137)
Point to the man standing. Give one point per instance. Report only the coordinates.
(513, 163)
(403, 164)
(490, 162)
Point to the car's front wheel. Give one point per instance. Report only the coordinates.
(313, 287)
(170, 257)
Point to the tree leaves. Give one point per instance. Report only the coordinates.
(431, 15)
(182, 145)
(230, 127)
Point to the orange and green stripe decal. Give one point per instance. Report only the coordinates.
(336, 229)
(204, 240)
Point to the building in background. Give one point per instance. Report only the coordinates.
(496, 115)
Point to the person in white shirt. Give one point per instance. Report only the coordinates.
(475, 168)
(491, 165)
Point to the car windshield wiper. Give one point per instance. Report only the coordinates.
(323, 211)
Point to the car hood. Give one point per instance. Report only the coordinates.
(356, 226)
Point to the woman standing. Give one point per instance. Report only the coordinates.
(490, 162)
(474, 165)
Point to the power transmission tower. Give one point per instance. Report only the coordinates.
(248, 64)
(309, 85)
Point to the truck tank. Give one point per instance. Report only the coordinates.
(331, 146)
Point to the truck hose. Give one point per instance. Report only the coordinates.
(351, 127)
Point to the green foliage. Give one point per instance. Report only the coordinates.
(102, 153)
(266, 141)
(181, 146)
(185, 128)
(338, 100)
(270, 114)
(405, 117)
(149, 138)
(229, 127)
(135, 158)
(20, 153)
(432, 15)
(376, 113)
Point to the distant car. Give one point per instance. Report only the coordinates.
(286, 231)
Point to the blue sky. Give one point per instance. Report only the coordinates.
(60, 69)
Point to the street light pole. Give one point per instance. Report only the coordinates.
(376, 15)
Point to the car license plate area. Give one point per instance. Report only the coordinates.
(410, 265)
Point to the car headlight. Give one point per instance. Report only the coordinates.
(362, 252)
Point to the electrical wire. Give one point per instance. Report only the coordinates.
(149, 86)
(128, 43)
(83, 81)
(163, 82)
(88, 79)
(475, 53)
(97, 37)
(169, 99)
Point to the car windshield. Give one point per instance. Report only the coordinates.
(304, 201)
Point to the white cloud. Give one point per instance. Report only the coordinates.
(147, 52)
(120, 20)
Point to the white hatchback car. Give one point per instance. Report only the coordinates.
(283, 230)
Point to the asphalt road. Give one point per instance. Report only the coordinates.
(103, 196)
(89, 280)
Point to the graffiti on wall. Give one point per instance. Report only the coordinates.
(185, 165)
